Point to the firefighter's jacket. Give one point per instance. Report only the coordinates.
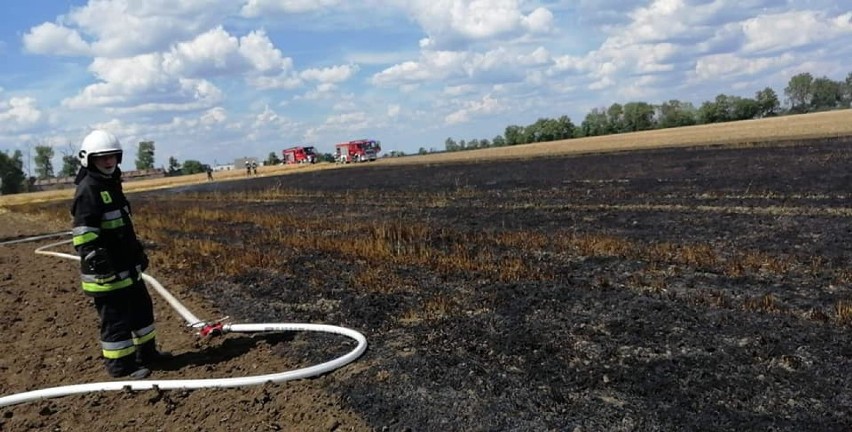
(102, 224)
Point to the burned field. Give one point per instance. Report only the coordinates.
(690, 289)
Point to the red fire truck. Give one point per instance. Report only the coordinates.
(357, 151)
(297, 155)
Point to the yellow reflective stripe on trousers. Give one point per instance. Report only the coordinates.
(116, 350)
(142, 339)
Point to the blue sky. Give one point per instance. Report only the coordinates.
(218, 80)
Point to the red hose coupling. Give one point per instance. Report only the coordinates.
(211, 330)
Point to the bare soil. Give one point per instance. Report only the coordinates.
(50, 338)
(722, 302)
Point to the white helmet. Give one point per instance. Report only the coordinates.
(99, 143)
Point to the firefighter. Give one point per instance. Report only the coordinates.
(254, 166)
(248, 167)
(112, 260)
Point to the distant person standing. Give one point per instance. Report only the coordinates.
(209, 173)
(254, 166)
(112, 260)
(248, 167)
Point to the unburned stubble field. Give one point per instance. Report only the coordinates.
(681, 289)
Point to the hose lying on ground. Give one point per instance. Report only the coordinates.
(203, 327)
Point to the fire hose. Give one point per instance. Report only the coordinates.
(204, 329)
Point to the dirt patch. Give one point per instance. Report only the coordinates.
(51, 339)
(688, 289)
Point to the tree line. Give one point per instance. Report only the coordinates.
(804, 94)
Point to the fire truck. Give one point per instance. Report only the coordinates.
(297, 155)
(357, 151)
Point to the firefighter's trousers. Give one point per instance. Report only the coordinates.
(127, 328)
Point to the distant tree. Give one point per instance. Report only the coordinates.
(638, 116)
(564, 128)
(799, 92)
(707, 112)
(422, 151)
(484, 143)
(539, 131)
(847, 91)
(528, 134)
(462, 145)
(498, 141)
(596, 123)
(70, 162)
(615, 118)
(450, 145)
(273, 159)
(145, 155)
(826, 94)
(43, 161)
(70, 166)
(191, 167)
(12, 177)
(717, 111)
(174, 166)
(514, 135)
(675, 113)
(768, 104)
(547, 129)
(744, 108)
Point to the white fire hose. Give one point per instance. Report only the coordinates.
(204, 328)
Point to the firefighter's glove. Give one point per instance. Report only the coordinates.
(97, 262)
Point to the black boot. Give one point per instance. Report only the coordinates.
(140, 373)
(126, 367)
(147, 354)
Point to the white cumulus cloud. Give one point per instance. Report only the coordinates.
(214, 50)
(128, 27)
(261, 52)
(769, 33)
(446, 21)
(356, 120)
(18, 114)
(394, 110)
(730, 65)
(179, 79)
(255, 8)
(486, 105)
(334, 74)
(433, 65)
(214, 116)
(539, 21)
(49, 38)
